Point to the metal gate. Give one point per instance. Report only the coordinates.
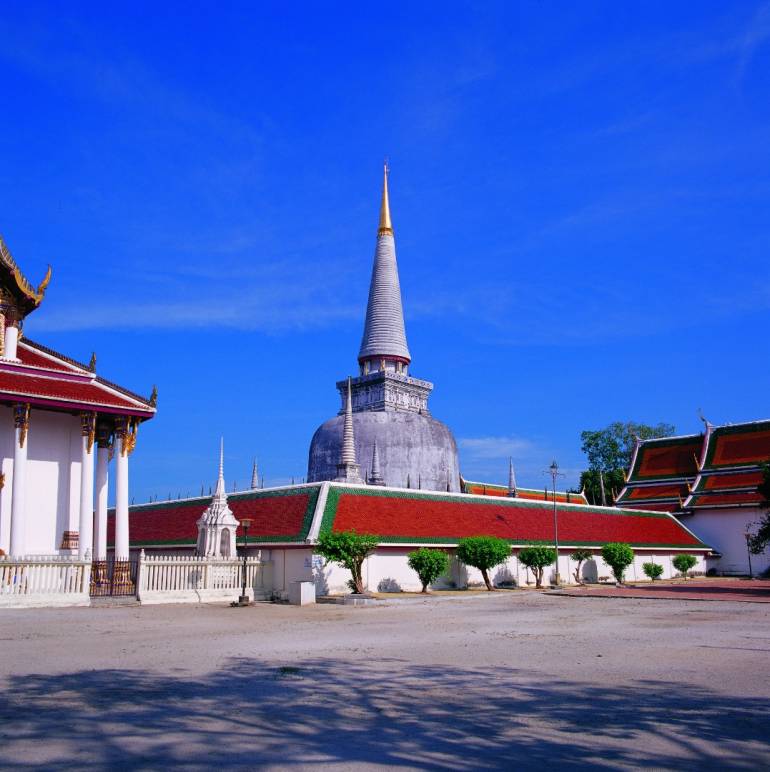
(113, 578)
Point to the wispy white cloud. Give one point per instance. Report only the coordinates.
(495, 447)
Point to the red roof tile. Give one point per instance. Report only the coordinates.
(666, 458)
(17, 384)
(277, 516)
(412, 518)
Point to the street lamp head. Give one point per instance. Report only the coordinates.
(246, 523)
(554, 467)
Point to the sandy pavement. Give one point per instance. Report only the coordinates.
(471, 682)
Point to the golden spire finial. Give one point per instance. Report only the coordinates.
(386, 226)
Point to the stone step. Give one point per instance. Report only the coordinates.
(109, 601)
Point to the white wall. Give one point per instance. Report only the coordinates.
(724, 530)
(6, 454)
(387, 570)
(53, 478)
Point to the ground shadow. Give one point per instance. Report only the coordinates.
(353, 712)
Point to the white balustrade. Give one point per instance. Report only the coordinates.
(189, 578)
(44, 580)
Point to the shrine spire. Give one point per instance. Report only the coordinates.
(384, 339)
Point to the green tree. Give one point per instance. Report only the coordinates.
(349, 549)
(609, 451)
(684, 563)
(483, 552)
(537, 557)
(618, 556)
(652, 570)
(429, 565)
(760, 539)
(580, 556)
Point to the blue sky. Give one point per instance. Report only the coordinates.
(579, 193)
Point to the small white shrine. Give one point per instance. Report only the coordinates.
(217, 526)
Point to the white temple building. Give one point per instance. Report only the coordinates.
(61, 428)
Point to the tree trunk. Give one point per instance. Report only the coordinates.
(538, 577)
(425, 587)
(577, 572)
(486, 579)
(358, 579)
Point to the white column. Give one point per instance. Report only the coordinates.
(102, 478)
(86, 526)
(121, 492)
(11, 342)
(19, 490)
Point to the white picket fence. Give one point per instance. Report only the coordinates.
(44, 580)
(192, 579)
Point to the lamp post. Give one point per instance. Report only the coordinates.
(553, 470)
(244, 599)
(748, 551)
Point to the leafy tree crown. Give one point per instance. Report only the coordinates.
(581, 554)
(684, 562)
(483, 552)
(618, 556)
(428, 563)
(652, 570)
(347, 548)
(537, 556)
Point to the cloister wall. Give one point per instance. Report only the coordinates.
(387, 570)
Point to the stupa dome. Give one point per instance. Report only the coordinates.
(413, 449)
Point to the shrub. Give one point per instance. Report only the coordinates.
(618, 556)
(483, 552)
(349, 549)
(429, 565)
(580, 556)
(537, 557)
(652, 570)
(684, 563)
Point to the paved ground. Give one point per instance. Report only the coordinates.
(754, 591)
(483, 681)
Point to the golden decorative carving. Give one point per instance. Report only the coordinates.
(21, 420)
(46, 281)
(36, 295)
(154, 396)
(88, 428)
(2, 480)
(129, 443)
(92, 363)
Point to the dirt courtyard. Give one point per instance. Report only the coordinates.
(487, 681)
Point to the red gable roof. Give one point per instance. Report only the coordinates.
(530, 494)
(279, 515)
(51, 380)
(732, 466)
(738, 445)
(660, 473)
(668, 457)
(411, 517)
